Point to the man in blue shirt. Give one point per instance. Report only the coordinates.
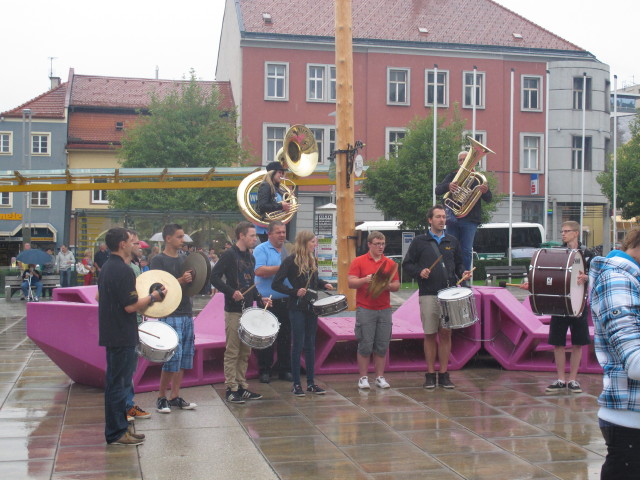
(269, 256)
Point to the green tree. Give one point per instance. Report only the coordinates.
(186, 128)
(628, 183)
(402, 186)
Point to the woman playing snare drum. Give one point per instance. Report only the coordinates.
(302, 272)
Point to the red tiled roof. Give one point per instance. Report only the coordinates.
(470, 22)
(48, 105)
(120, 92)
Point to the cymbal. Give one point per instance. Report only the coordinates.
(208, 263)
(200, 268)
(382, 278)
(172, 300)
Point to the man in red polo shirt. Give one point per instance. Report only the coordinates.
(373, 313)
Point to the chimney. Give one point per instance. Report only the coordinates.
(55, 82)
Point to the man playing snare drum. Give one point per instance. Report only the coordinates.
(435, 259)
(373, 308)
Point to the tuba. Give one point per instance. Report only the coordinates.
(462, 200)
(299, 154)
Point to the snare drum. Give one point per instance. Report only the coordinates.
(553, 282)
(157, 341)
(458, 307)
(330, 305)
(258, 327)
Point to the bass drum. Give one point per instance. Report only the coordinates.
(157, 341)
(553, 282)
(258, 327)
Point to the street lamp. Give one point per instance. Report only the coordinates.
(26, 136)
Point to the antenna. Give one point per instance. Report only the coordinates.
(51, 59)
(157, 71)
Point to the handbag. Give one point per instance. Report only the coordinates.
(81, 268)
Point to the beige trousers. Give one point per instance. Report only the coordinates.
(236, 354)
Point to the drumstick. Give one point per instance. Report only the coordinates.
(265, 306)
(505, 284)
(436, 262)
(465, 278)
(148, 333)
(248, 290)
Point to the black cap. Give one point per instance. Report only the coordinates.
(275, 166)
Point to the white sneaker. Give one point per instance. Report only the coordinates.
(363, 382)
(382, 383)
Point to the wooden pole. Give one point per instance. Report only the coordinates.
(345, 211)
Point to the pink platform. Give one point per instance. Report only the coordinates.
(66, 329)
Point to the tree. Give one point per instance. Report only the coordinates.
(628, 177)
(402, 187)
(186, 128)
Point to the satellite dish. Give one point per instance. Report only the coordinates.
(358, 165)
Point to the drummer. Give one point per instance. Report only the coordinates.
(373, 314)
(579, 326)
(435, 259)
(234, 275)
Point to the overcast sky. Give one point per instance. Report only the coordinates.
(130, 38)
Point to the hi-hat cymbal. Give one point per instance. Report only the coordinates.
(162, 309)
(199, 265)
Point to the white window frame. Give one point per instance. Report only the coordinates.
(540, 153)
(577, 93)
(285, 79)
(99, 197)
(9, 197)
(393, 147)
(407, 85)
(272, 144)
(325, 144)
(40, 134)
(481, 136)
(578, 155)
(525, 93)
(481, 83)
(9, 141)
(429, 88)
(327, 92)
(46, 194)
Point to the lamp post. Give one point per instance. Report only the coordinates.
(26, 208)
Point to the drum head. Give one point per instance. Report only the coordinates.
(259, 321)
(328, 300)
(158, 335)
(577, 291)
(454, 293)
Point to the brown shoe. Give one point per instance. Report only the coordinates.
(127, 439)
(130, 431)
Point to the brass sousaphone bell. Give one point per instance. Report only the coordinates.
(299, 154)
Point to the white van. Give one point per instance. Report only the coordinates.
(492, 240)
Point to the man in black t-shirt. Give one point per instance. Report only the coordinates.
(118, 303)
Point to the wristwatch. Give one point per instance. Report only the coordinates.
(152, 300)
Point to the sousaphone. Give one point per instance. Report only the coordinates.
(299, 154)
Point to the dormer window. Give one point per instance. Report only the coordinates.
(266, 18)
(119, 126)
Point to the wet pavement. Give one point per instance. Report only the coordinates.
(496, 424)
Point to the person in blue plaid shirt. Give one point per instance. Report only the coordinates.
(615, 308)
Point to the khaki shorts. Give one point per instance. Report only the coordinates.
(430, 313)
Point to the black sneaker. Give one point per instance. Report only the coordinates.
(182, 403)
(430, 380)
(444, 380)
(233, 397)
(162, 405)
(297, 391)
(556, 387)
(574, 387)
(265, 377)
(316, 389)
(248, 394)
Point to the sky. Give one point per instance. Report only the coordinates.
(131, 38)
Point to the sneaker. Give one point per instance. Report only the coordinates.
(162, 405)
(182, 403)
(286, 376)
(37, 299)
(430, 380)
(363, 382)
(137, 412)
(574, 386)
(444, 380)
(248, 394)
(265, 378)
(127, 439)
(130, 418)
(297, 391)
(233, 397)
(316, 389)
(556, 387)
(382, 383)
(139, 436)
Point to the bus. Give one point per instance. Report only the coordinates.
(492, 240)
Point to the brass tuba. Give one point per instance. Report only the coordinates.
(467, 195)
(299, 154)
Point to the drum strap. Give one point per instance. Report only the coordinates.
(441, 262)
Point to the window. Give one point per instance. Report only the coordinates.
(532, 93)
(40, 199)
(442, 88)
(40, 143)
(326, 139)
(273, 141)
(6, 198)
(6, 144)
(276, 81)
(481, 137)
(467, 92)
(99, 196)
(607, 96)
(577, 93)
(576, 153)
(394, 141)
(321, 83)
(532, 212)
(531, 150)
(397, 86)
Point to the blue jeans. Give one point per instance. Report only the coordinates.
(303, 334)
(465, 232)
(65, 278)
(623, 447)
(121, 364)
(25, 288)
